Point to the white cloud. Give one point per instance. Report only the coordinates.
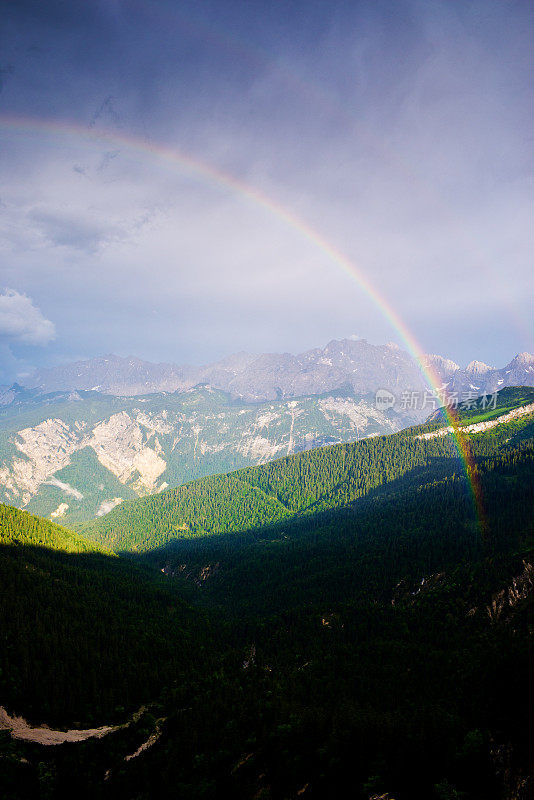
(21, 321)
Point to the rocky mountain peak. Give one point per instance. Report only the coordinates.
(445, 366)
(478, 368)
(354, 363)
(522, 360)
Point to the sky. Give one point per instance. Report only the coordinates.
(174, 177)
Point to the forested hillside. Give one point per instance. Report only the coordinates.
(369, 640)
(387, 652)
(305, 483)
(73, 456)
(21, 528)
(79, 627)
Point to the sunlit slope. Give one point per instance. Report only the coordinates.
(311, 482)
(73, 456)
(21, 528)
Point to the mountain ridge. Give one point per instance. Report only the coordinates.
(81, 452)
(74, 453)
(273, 376)
(296, 485)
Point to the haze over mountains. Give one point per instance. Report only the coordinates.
(346, 363)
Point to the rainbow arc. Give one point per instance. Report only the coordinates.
(212, 174)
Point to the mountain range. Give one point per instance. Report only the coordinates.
(307, 483)
(81, 438)
(357, 364)
(76, 454)
(479, 377)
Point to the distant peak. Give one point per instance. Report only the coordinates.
(478, 368)
(522, 359)
(444, 364)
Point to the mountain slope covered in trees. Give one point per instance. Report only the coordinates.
(21, 528)
(304, 484)
(385, 649)
(72, 456)
(78, 624)
(367, 638)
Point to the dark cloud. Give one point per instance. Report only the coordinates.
(106, 113)
(67, 230)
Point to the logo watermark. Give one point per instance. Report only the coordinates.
(384, 399)
(431, 400)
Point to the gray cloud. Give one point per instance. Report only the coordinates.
(107, 158)
(105, 110)
(75, 231)
(21, 321)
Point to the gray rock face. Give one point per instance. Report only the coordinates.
(478, 368)
(443, 366)
(355, 364)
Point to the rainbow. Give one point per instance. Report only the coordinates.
(225, 39)
(214, 175)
